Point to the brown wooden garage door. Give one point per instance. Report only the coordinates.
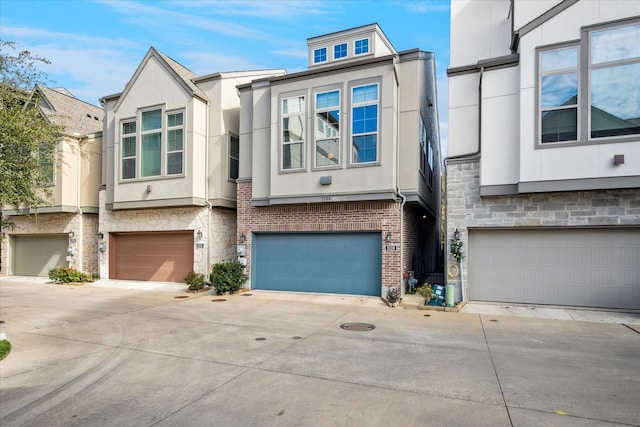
(156, 256)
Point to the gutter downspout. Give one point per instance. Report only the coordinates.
(80, 221)
(465, 156)
(398, 192)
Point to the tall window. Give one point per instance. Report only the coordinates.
(559, 94)
(361, 46)
(430, 157)
(234, 156)
(128, 150)
(320, 55)
(614, 65)
(155, 147)
(175, 143)
(423, 147)
(590, 91)
(46, 164)
(340, 51)
(293, 119)
(364, 124)
(327, 131)
(151, 143)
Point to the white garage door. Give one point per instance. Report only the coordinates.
(576, 267)
(36, 255)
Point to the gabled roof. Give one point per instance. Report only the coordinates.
(61, 107)
(180, 73)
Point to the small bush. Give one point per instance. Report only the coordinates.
(69, 275)
(227, 277)
(426, 292)
(393, 295)
(195, 281)
(5, 348)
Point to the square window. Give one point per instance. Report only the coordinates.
(340, 51)
(320, 55)
(361, 46)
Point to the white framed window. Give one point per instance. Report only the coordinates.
(46, 164)
(364, 124)
(293, 133)
(128, 146)
(327, 129)
(320, 55)
(234, 156)
(340, 51)
(361, 46)
(153, 145)
(589, 90)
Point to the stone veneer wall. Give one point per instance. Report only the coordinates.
(383, 216)
(466, 209)
(218, 226)
(84, 240)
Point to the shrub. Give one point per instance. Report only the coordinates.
(426, 292)
(195, 281)
(69, 275)
(393, 295)
(227, 277)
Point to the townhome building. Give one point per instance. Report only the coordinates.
(62, 233)
(543, 166)
(170, 164)
(339, 178)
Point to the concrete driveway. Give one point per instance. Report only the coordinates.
(120, 357)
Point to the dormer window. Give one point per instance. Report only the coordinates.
(361, 46)
(340, 51)
(320, 55)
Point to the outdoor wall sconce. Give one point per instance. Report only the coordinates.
(456, 235)
(71, 234)
(618, 159)
(388, 237)
(149, 188)
(243, 238)
(199, 234)
(100, 235)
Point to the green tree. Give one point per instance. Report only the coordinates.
(28, 140)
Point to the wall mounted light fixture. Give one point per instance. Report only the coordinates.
(388, 237)
(243, 238)
(199, 234)
(456, 234)
(100, 235)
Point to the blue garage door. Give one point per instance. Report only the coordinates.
(339, 263)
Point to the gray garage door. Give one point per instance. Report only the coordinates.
(341, 263)
(577, 267)
(36, 255)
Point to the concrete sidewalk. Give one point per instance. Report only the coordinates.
(93, 355)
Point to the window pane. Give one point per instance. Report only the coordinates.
(234, 148)
(560, 125)
(129, 146)
(174, 119)
(174, 140)
(293, 105)
(292, 156)
(328, 99)
(174, 163)
(340, 51)
(365, 93)
(327, 152)
(559, 89)
(364, 148)
(45, 160)
(128, 168)
(615, 101)
(559, 59)
(362, 46)
(150, 155)
(151, 120)
(320, 55)
(129, 127)
(292, 129)
(365, 119)
(615, 44)
(233, 168)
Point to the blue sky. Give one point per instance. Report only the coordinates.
(95, 46)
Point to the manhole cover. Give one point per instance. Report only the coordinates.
(493, 320)
(357, 326)
(427, 315)
(181, 296)
(261, 339)
(218, 300)
(296, 338)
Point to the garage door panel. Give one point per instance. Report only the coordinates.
(579, 267)
(346, 263)
(36, 255)
(157, 256)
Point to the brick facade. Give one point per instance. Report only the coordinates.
(382, 216)
(466, 209)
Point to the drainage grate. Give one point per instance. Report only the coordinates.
(218, 300)
(357, 326)
(181, 296)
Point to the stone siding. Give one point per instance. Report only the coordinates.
(466, 209)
